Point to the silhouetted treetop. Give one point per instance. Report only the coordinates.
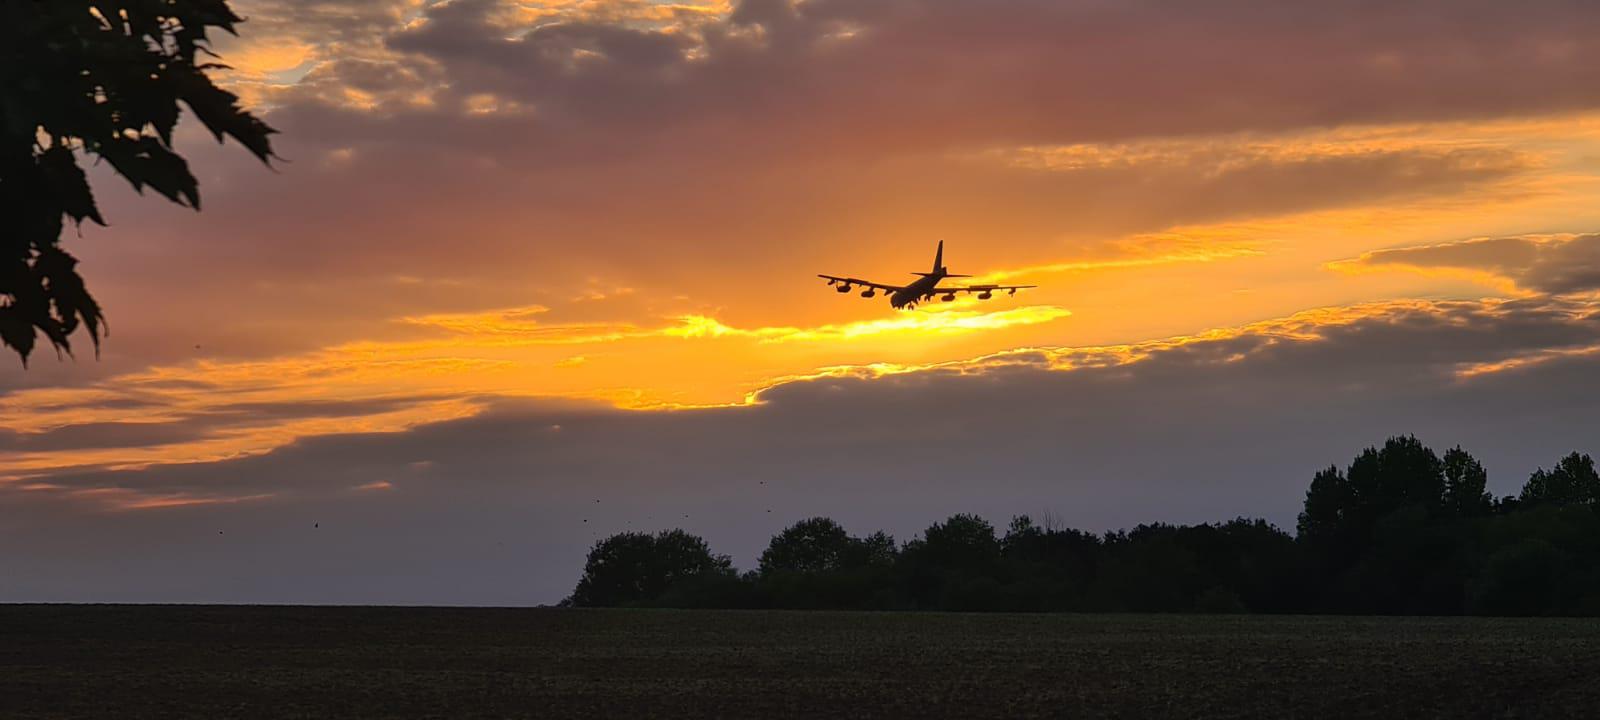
(1404, 472)
(962, 542)
(813, 545)
(1329, 502)
(91, 77)
(634, 567)
(819, 545)
(1573, 481)
(1465, 484)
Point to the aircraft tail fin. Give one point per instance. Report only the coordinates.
(938, 259)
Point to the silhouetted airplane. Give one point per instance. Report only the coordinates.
(904, 296)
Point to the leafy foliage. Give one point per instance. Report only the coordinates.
(1572, 481)
(636, 567)
(101, 79)
(1465, 484)
(819, 545)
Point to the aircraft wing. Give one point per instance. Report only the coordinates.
(979, 289)
(848, 281)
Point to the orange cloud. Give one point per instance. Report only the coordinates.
(391, 386)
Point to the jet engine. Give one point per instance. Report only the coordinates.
(869, 292)
(950, 298)
(985, 295)
(843, 288)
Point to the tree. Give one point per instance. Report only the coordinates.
(953, 566)
(814, 563)
(1465, 485)
(877, 550)
(1388, 498)
(1060, 547)
(1327, 531)
(1151, 568)
(1573, 481)
(1329, 503)
(819, 545)
(101, 78)
(809, 546)
(1050, 567)
(1405, 472)
(962, 542)
(1258, 563)
(634, 568)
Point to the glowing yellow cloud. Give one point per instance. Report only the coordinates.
(1521, 362)
(1306, 326)
(263, 59)
(909, 323)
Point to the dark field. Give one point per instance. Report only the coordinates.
(219, 662)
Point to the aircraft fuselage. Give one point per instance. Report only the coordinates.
(918, 291)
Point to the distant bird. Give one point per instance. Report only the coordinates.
(316, 525)
(769, 510)
(586, 519)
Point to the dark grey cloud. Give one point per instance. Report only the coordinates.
(940, 73)
(499, 508)
(1547, 264)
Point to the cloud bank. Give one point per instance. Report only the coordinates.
(499, 507)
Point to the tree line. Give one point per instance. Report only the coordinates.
(1400, 530)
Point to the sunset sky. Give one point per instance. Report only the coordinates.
(532, 272)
